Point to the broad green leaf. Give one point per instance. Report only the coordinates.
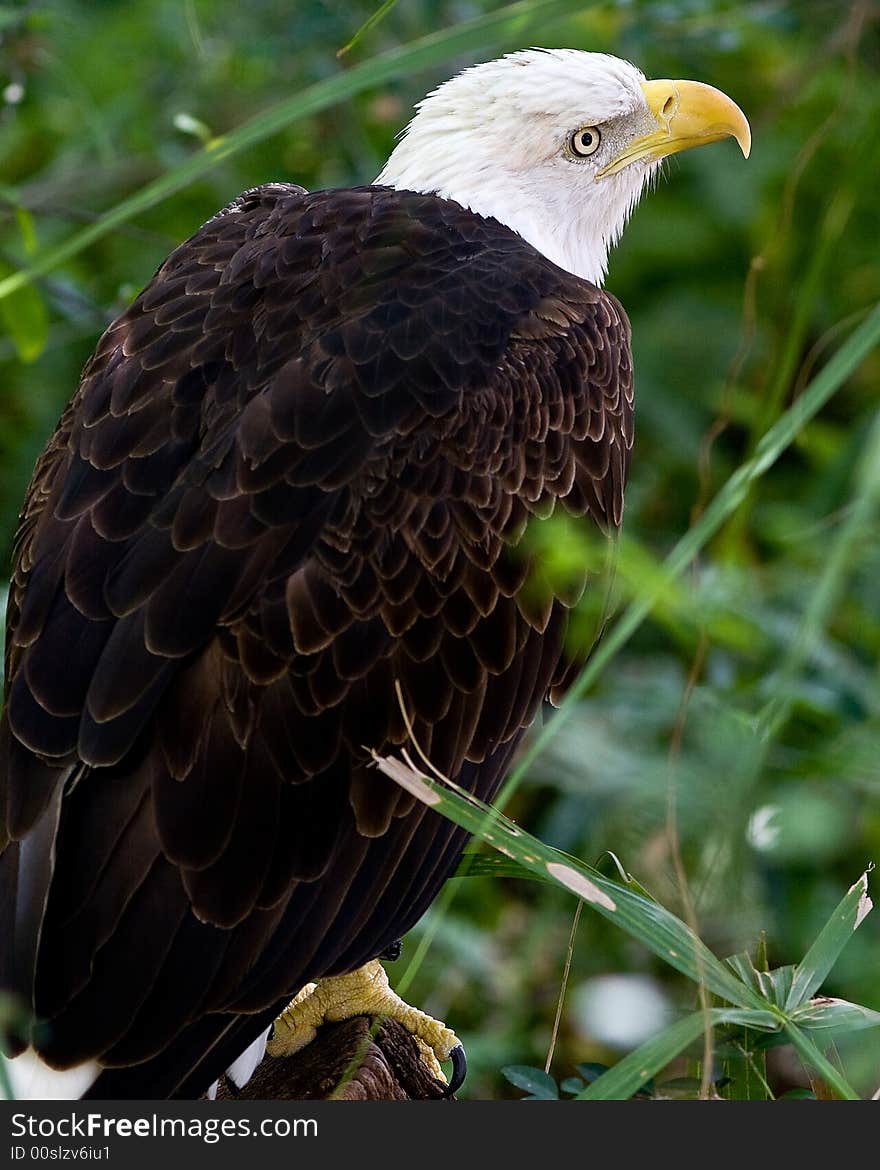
(479, 865)
(742, 965)
(811, 971)
(839, 1014)
(533, 1080)
(630, 1073)
(666, 935)
(774, 986)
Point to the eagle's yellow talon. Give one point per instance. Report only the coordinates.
(365, 992)
(429, 1059)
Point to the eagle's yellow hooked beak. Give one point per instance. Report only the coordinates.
(688, 113)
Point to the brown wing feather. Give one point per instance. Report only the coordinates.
(296, 473)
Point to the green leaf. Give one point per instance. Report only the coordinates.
(635, 1069)
(571, 1085)
(24, 318)
(816, 1059)
(534, 1080)
(838, 1014)
(369, 23)
(480, 865)
(811, 971)
(28, 230)
(774, 986)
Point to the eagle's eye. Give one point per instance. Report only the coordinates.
(584, 142)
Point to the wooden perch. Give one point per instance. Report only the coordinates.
(389, 1068)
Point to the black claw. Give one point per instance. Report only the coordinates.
(458, 1056)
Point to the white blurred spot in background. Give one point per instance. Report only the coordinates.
(763, 828)
(620, 1011)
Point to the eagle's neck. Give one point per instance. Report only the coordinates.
(574, 231)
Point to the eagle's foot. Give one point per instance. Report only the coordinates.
(365, 992)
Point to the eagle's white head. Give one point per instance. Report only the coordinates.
(557, 144)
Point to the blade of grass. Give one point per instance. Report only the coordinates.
(25, 319)
(504, 25)
(810, 1054)
(369, 23)
(810, 973)
(630, 1073)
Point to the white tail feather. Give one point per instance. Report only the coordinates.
(33, 1080)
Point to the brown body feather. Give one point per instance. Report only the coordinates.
(296, 471)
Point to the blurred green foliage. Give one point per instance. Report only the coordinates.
(707, 738)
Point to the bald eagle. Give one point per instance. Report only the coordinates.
(291, 487)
